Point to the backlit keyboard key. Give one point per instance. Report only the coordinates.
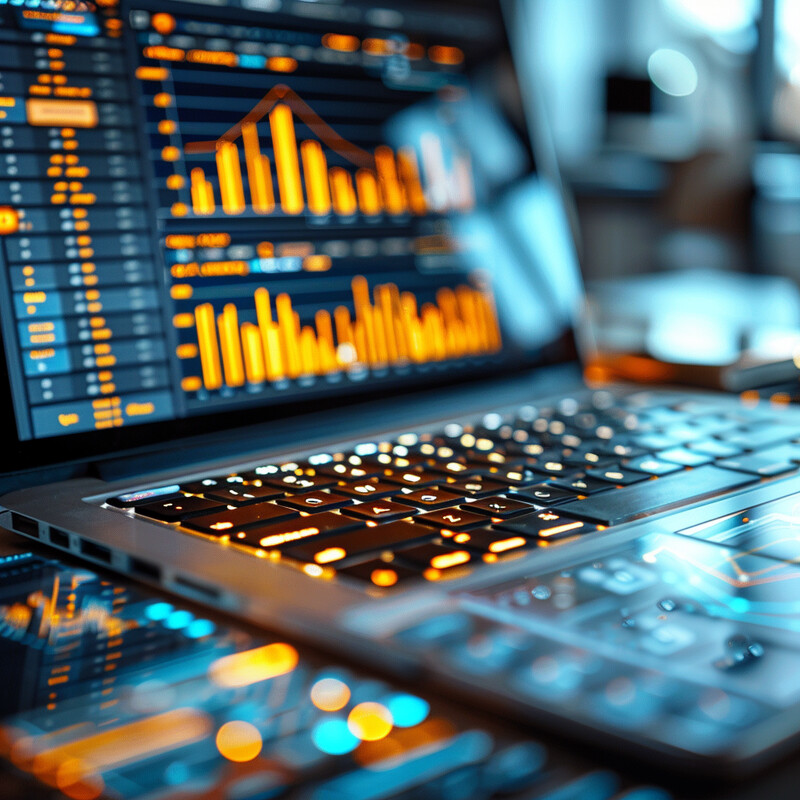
(177, 509)
(685, 457)
(476, 486)
(412, 478)
(366, 490)
(452, 518)
(430, 499)
(230, 521)
(243, 494)
(297, 484)
(144, 496)
(380, 573)
(494, 541)
(652, 465)
(545, 525)
(545, 494)
(346, 471)
(434, 558)
(288, 533)
(360, 542)
(502, 507)
(582, 484)
(618, 475)
(379, 510)
(316, 501)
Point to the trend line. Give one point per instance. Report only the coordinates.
(284, 94)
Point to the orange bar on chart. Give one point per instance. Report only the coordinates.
(315, 168)
(287, 165)
(269, 336)
(409, 173)
(202, 193)
(253, 353)
(207, 344)
(369, 199)
(260, 180)
(232, 363)
(383, 299)
(344, 197)
(393, 196)
(289, 335)
(230, 178)
(309, 352)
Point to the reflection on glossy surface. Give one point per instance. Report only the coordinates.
(107, 692)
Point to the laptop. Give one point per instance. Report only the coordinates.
(287, 306)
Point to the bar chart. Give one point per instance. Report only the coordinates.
(388, 328)
(298, 179)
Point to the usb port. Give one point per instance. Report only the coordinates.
(95, 551)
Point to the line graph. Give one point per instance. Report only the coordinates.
(261, 163)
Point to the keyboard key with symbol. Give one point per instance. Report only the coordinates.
(360, 542)
(544, 494)
(380, 510)
(545, 525)
(500, 507)
(177, 509)
(230, 521)
(452, 518)
(477, 486)
(366, 490)
(316, 501)
(430, 499)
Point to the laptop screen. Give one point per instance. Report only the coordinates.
(207, 210)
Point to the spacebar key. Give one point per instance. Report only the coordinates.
(678, 489)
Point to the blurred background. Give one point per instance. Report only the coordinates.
(677, 127)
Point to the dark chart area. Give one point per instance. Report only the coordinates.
(82, 317)
(307, 182)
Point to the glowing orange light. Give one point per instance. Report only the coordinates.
(329, 555)
(507, 544)
(252, 666)
(163, 23)
(370, 722)
(450, 559)
(330, 694)
(9, 220)
(384, 577)
(239, 741)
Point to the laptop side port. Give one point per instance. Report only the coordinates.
(59, 538)
(144, 569)
(200, 591)
(23, 524)
(95, 551)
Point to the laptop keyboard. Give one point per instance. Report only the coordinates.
(434, 505)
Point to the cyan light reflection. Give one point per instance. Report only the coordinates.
(407, 710)
(332, 736)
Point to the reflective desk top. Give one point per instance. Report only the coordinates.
(109, 690)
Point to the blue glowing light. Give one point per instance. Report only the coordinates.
(407, 710)
(158, 611)
(200, 628)
(178, 620)
(332, 736)
(739, 604)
